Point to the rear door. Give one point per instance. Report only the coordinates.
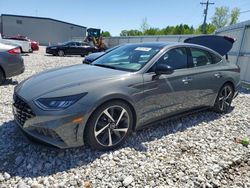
(206, 76)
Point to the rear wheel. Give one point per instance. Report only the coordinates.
(60, 53)
(109, 125)
(2, 77)
(224, 99)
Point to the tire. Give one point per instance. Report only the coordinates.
(60, 53)
(85, 54)
(109, 126)
(2, 77)
(224, 99)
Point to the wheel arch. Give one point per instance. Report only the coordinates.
(1, 69)
(108, 99)
(224, 83)
(230, 82)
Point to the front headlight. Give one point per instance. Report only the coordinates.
(58, 103)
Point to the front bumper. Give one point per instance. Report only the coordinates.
(35, 47)
(50, 51)
(56, 129)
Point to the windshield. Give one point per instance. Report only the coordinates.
(129, 57)
(66, 43)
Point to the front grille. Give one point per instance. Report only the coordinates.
(22, 111)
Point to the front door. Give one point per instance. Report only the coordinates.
(72, 49)
(166, 95)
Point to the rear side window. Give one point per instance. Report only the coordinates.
(72, 44)
(216, 58)
(201, 57)
(176, 58)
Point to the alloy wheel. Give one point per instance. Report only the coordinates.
(225, 98)
(111, 126)
(61, 53)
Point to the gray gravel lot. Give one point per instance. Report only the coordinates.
(193, 151)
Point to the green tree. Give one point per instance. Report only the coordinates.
(223, 16)
(152, 31)
(234, 16)
(106, 34)
(144, 25)
(220, 17)
(132, 32)
(210, 28)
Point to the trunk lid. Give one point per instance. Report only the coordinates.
(220, 44)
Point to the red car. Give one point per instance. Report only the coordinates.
(34, 44)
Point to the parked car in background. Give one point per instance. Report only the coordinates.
(92, 57)
(71, 48)
(25, 46)
(34, 44)
(125, 90)
(11, 62)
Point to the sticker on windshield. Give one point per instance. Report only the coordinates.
(144, 49)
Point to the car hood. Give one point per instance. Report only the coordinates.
(66, 78)
(92, 57)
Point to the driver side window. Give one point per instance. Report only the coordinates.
(176, 58)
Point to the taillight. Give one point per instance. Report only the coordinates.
(15, 51)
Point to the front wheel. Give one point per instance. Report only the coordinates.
(109, 125)
(61, 53)
(224, 99)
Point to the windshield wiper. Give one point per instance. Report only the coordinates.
(105, 66)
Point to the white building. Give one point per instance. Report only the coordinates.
(45, 30)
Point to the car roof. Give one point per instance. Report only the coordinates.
(171, 44)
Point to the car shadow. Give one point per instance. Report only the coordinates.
(56, 56)
(22, 157)
(9, 81)
(25, 54)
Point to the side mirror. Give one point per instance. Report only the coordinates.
(163, 69)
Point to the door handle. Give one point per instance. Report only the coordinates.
(218, 75)
(187, 80)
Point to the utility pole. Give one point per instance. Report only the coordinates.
(205, 15)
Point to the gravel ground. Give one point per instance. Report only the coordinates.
(193, 151)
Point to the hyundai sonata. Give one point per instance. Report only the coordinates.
(132, 86)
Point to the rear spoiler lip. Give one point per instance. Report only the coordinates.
(230, 39)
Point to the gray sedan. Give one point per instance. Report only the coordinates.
(11, 62)
(132, 86)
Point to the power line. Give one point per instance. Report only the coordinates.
(245, 11)
(205, 15)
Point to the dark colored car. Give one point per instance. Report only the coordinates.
(34, 44)
(11, 62)
(125, 90)
(92, 57)
(71, 48)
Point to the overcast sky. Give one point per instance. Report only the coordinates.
(116, 15)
